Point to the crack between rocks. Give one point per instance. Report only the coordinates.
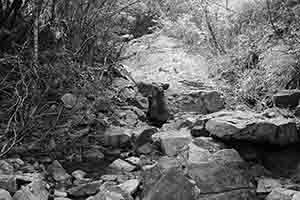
(226, 191)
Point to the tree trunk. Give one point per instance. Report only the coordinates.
(36, 31)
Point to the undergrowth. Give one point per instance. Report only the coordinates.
(79, 45)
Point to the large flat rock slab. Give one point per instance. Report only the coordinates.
(249, 126)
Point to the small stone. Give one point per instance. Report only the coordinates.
(122, 165)
(5, 195)
(69, 100)
(130, 186)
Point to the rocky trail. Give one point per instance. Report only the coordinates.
(201, 151)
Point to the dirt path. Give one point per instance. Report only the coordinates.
(158, 58)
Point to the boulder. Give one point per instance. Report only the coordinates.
(286, 98)
(173, 142)
(130, 186)
(227, 156)
(173, 185)
(216, 177)
(248, 126)
(197, 154)
(202, 101)
(283, 194)
(110, 192)
(4, 195)
(8, 182)
(33, 191)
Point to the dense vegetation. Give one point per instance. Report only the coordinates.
(49, 48)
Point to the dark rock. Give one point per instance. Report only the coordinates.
(199, 131)
(286, 98)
